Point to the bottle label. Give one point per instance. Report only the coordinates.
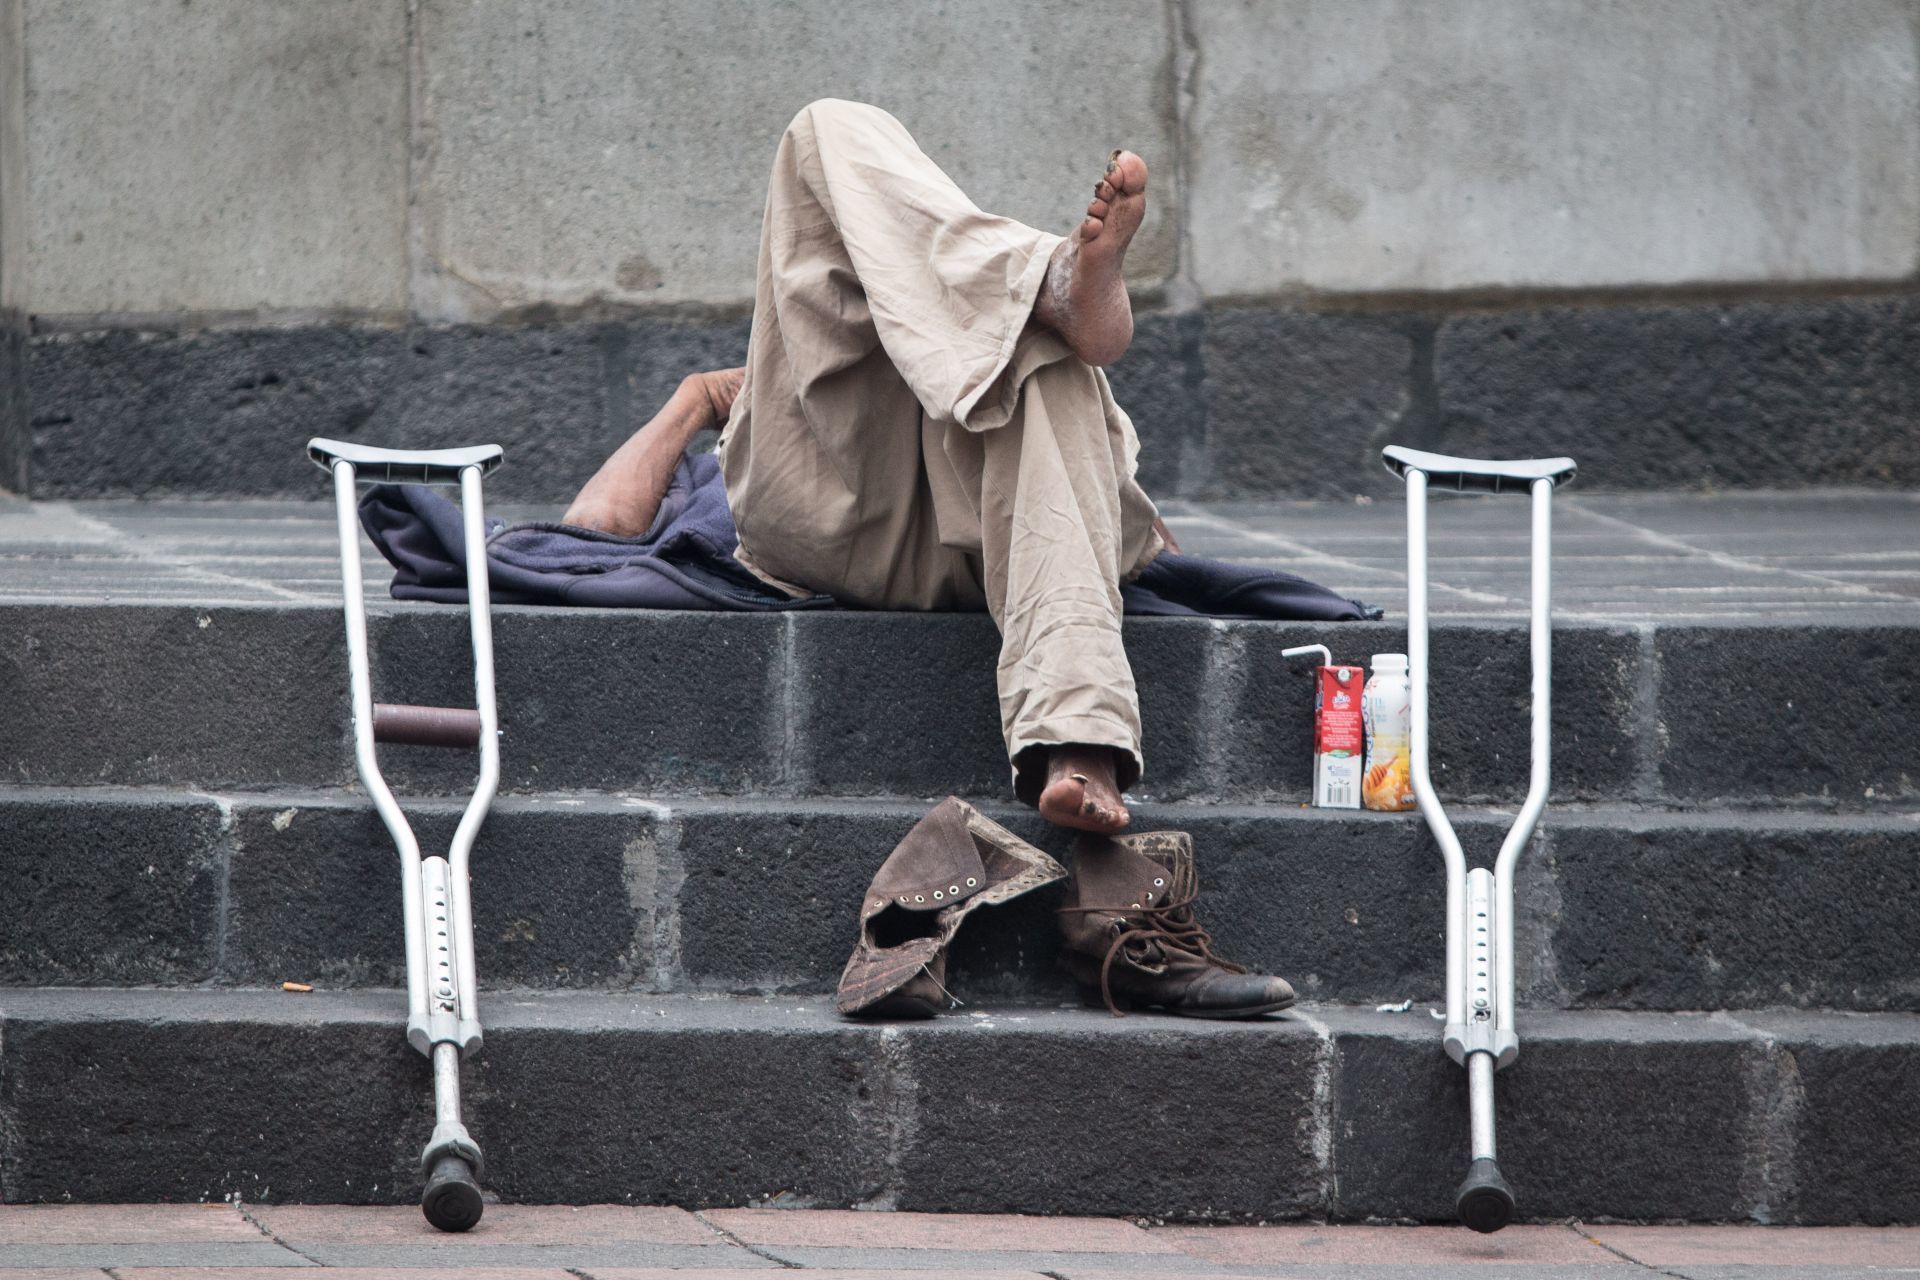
(1388, 707)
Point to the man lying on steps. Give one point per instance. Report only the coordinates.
(922, 423)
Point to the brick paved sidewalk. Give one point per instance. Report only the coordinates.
(610, 1242)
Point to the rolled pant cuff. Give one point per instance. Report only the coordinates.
(1028, 753)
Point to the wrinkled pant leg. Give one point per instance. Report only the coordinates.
(1062, 523)
(907, 439)
(885, 297)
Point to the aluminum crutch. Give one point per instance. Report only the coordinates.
(1480, 1032)
(443, 1020)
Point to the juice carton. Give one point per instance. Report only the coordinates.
(1388, 708)
(1338, 738)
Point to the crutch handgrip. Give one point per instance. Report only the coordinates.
(426, 726)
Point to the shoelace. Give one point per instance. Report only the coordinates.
(1171, 924)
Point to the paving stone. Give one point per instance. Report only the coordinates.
(1299, 404)
(845, 1229)
(1749, 396)
(1761, 1247)
(124, 1224)
(314, 894)
(108, 891)
(518, 1224)
(1375, 1246)
(1802, 712)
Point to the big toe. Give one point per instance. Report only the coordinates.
(1127, 172)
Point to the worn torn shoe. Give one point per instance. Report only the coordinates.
(1133, 942)
(954, 860)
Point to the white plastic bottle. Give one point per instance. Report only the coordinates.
(1387, 708)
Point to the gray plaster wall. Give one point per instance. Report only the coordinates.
(478, 160)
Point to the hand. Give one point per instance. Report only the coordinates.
(1166, 535)
(717, 390)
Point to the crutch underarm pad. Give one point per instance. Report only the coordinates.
(425, 726)
(1481, 475)
(404, 466)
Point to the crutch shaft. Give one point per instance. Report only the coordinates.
(1480, 1104)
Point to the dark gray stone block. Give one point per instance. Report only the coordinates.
(1481, 709)
(16, 442)
(897, 704)
(606, 700)
(1668, 914)
(1851, 1117)
(1090, 1114)
(540, 393)
(1298, 404)
(1603, 1115)
(1171, 660)
(123, 1097)
(1343, 907)
(771, 896)
(109, 889)
(314, 894)
(1749, 396)
(189, 697)
(1158, 383)
(225, 412)
(1786, 713)
(222, 412)
(724, 1107)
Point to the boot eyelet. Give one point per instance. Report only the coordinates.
(1136, 906)
(1159, 884)
(903, 897)
(954, 890)
(971, 882)
(918, 898)
(937, 895)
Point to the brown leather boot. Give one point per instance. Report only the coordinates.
(1133, 940)
(955, 859)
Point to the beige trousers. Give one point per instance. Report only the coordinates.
(907, 439)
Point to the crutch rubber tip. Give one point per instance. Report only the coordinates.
(1484, 1201)
(452, 1198)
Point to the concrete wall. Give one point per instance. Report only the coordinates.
(189, 166)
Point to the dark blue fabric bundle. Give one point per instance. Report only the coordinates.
(685, 561)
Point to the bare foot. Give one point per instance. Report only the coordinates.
(1084, 295)
(1081, 791)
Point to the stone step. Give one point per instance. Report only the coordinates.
(140, 1095)
(1618, 907)
(848, 704)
